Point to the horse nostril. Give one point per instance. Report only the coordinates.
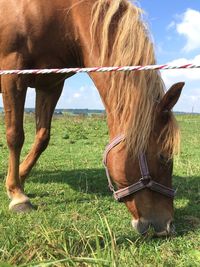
(142, 226)
(164, 230)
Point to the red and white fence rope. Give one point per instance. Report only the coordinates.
(100, 69)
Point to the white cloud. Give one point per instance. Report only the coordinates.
(77, 95)
(190, 97)
(190, 28)
(84, 97)
(184, 74)
(171, 25)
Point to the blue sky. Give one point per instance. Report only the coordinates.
(175, 26)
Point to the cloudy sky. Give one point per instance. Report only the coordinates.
(175, 26)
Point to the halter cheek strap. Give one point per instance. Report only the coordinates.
(144, 182)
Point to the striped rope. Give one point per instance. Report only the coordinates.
(100, 69)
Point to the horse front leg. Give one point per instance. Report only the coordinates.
(14, 93)
(46, 101)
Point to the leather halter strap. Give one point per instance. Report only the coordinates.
(144, 182)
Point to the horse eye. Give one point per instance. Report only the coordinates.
(163, 159)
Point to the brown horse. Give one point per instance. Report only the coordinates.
(78, 33)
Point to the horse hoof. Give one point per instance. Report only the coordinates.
(22, 207)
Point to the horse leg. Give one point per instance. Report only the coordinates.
(14, 93)
(45, 104)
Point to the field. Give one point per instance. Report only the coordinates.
(77, 222)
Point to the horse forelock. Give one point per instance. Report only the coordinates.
(123, 40)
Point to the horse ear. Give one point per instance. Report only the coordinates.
(171, 97)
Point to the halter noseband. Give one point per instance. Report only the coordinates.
(144, 182)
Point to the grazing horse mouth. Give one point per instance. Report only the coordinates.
(143, 226)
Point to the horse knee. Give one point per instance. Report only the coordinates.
(43, 137)
(15, 138)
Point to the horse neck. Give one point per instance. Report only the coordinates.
(102, 82)
(90, 57)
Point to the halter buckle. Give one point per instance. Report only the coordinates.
(146, 180)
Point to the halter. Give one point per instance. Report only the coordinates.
(145, 181)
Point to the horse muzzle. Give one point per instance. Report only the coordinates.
(161, 229)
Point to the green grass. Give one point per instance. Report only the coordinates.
(77, 222)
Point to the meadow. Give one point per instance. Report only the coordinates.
(77, 221)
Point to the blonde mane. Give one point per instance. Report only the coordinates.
(123, 40)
